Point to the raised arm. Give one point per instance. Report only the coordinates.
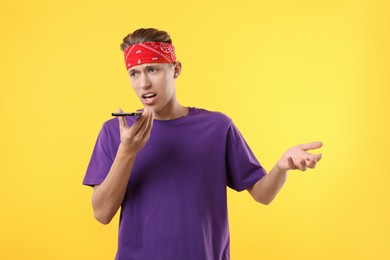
(108, 196)
(295, 158)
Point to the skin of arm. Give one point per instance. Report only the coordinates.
(108, 196)
(296, 158)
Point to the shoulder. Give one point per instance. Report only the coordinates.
(110, 128)
(111, 125)
(110, 133)
(212, 116)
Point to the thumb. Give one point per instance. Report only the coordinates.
(310, 146)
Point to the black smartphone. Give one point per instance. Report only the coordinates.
(127, 114)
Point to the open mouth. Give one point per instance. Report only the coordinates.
(149, 97)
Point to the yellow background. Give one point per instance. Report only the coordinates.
(287, 72)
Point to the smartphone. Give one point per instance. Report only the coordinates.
(127, 114)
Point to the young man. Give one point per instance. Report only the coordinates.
(168, 168)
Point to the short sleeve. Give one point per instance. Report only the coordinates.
(243, 169)
(101, 159)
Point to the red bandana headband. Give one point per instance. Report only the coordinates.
(149, 52)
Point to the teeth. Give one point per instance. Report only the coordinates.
(149, 95)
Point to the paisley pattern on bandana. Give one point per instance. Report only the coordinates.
(149, 52)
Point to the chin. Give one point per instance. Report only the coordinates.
(154, 107)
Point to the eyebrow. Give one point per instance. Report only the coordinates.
(146, 67)
(152, 66)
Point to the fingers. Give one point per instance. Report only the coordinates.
(146, 128)
(308, 160)
(139, 124)
(302, 163)
(122, 120)
(299, 159)
(318, 157)
(310, 146)
(311, 162)
(291, 164)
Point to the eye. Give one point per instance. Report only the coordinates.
(152, 69)
(133, 74)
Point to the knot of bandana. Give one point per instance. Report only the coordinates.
(149, 52)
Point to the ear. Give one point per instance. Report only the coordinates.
(177, 69)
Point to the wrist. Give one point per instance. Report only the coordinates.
(125, 152)
(279, 170)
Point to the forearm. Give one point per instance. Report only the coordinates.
(108, 196)
(266, 189)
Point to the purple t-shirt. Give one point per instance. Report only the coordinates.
(175, 205)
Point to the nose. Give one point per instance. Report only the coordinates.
(144, 81)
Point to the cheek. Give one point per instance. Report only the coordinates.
(133, 84)
(169, 83)
(136, 90)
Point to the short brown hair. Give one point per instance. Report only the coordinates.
(145, 35)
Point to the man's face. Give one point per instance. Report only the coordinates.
(154, 84)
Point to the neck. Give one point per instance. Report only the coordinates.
(171, 111)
